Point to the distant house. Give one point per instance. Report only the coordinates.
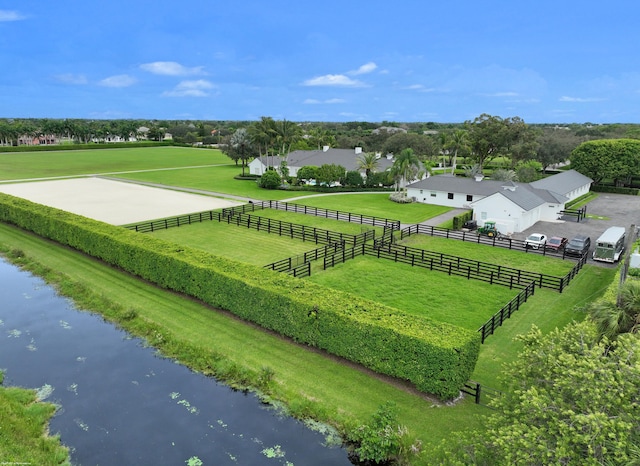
(348, 158)
(513, 206)
(389, 129)
(41, 140)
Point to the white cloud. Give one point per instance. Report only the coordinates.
(196, 88)
(502, 94)
(333, 80)
(121, 80)
(364, 69)
(419, 88)
(566, 98)
(171, 68)
(328, 101)
(10, 15)
(70, 78)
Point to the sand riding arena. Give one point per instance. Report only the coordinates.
(114, 202)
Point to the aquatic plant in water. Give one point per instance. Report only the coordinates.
(194, 461)
(331, 435)
(44, 392)
(65, 325)
(274, 452)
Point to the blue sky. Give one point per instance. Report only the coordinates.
(545, 61)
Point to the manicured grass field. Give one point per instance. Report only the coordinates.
(515, 258)
(240, 243)
(377, 205)
(318, 222)
(547, 310)
(414, 290)
(23, 165)
(215, 179)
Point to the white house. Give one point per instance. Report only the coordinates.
(348, 158)
(513, 206)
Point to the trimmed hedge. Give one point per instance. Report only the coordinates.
(437, 358)
(601, 188)
(93, 145)
(458, 220)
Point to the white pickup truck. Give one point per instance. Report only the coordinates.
(535, 241)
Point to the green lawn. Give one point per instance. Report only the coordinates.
(377, 205)
(318, 222)
(22, 165)
(547, 310)
(240, 243)
(414, 290)
(515, 258)
(216, 179)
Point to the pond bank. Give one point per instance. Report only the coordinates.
(119, 403)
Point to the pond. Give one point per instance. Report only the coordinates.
(120, 403)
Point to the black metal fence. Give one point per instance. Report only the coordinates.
(297, 265)
(481, 393)
(468, 268)
(303, 232)
(163, 224)
(505, 312)
(579, 214)
(474, 237)
(332, 214)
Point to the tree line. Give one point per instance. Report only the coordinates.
(509, 144)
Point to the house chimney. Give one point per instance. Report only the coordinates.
(325, 148)
(358, 150)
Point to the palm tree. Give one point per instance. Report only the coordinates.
(368, 161)
(405, 167)
(264, 133)
(458, 142)
(614, 318)
(241, 142)
(287, 132)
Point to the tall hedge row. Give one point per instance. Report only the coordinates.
(437, 358)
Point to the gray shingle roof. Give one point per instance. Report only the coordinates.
(563, 183)
(522, 194)
(460, 185)
(344, 157)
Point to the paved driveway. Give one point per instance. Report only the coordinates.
(616, 209)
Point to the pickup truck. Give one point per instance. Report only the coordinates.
(535, 241)
(556, 243)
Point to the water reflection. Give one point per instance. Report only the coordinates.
(122, 404)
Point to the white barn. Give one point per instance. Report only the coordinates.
(513, 206)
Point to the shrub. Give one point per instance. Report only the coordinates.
(383, 439)
(270, 180)
(600, 188)
(400, 198)
(458, 220)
